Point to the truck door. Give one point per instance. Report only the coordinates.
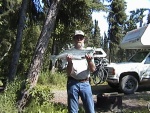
(147, 67)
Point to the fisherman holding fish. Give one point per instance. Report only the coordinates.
(78, 72)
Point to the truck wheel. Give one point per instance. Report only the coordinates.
(112, 85)
(128, 84)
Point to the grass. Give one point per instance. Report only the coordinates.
(55, 81)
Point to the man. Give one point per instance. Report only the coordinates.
(78, 78)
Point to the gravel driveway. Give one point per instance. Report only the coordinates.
(60, 96)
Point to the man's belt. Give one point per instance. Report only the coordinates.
(79, 80)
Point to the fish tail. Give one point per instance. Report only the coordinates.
(53, 59)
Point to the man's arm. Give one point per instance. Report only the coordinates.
(70, 64)
(91, 64)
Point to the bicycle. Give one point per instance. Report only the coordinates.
(100, 75)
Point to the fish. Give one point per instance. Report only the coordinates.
(76, 55)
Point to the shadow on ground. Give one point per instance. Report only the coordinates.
(136, 102)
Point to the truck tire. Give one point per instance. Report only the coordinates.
(128, 84)
(112, 85)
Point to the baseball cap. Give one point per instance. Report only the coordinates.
(79, 32)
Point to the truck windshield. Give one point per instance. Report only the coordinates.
(139, 57)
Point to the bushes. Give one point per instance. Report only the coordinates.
(40, 100)
(56, 80)
(9, 96)
(40, 95)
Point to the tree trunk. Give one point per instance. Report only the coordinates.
(17, 48)
(41, 46)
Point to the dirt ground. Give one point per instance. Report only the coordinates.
(133, 102)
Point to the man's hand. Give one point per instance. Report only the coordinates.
(90, 63)
(69, 58)
(88, 57)
(69, 66)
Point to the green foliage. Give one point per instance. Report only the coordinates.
(9, 96)
(40, 99)
(30, 38)
(9, 11)
(116, 18)
(41, 94)
(57, 80)
(96, 38)
(95, 5)
(135, 17)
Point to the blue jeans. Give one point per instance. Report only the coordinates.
(82, 89)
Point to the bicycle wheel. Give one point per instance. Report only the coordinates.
(98, 76)
(105, 75)
(101, 75)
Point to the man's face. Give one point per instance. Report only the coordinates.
(79, 38)
(79, 41)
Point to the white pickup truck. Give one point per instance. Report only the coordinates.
(128, 75)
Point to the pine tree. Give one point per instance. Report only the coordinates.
(96, 35)
(116, 19)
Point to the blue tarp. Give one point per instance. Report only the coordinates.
(38, 4)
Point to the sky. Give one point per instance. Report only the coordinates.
(131, 5)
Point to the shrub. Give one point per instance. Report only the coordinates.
(57, 80)
(9, 96)
(40, 100)
(40, 95)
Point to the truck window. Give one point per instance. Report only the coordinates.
(147, 60)
(139, 57)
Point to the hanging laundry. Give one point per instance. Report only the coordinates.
(37, 8)
(38, 4)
